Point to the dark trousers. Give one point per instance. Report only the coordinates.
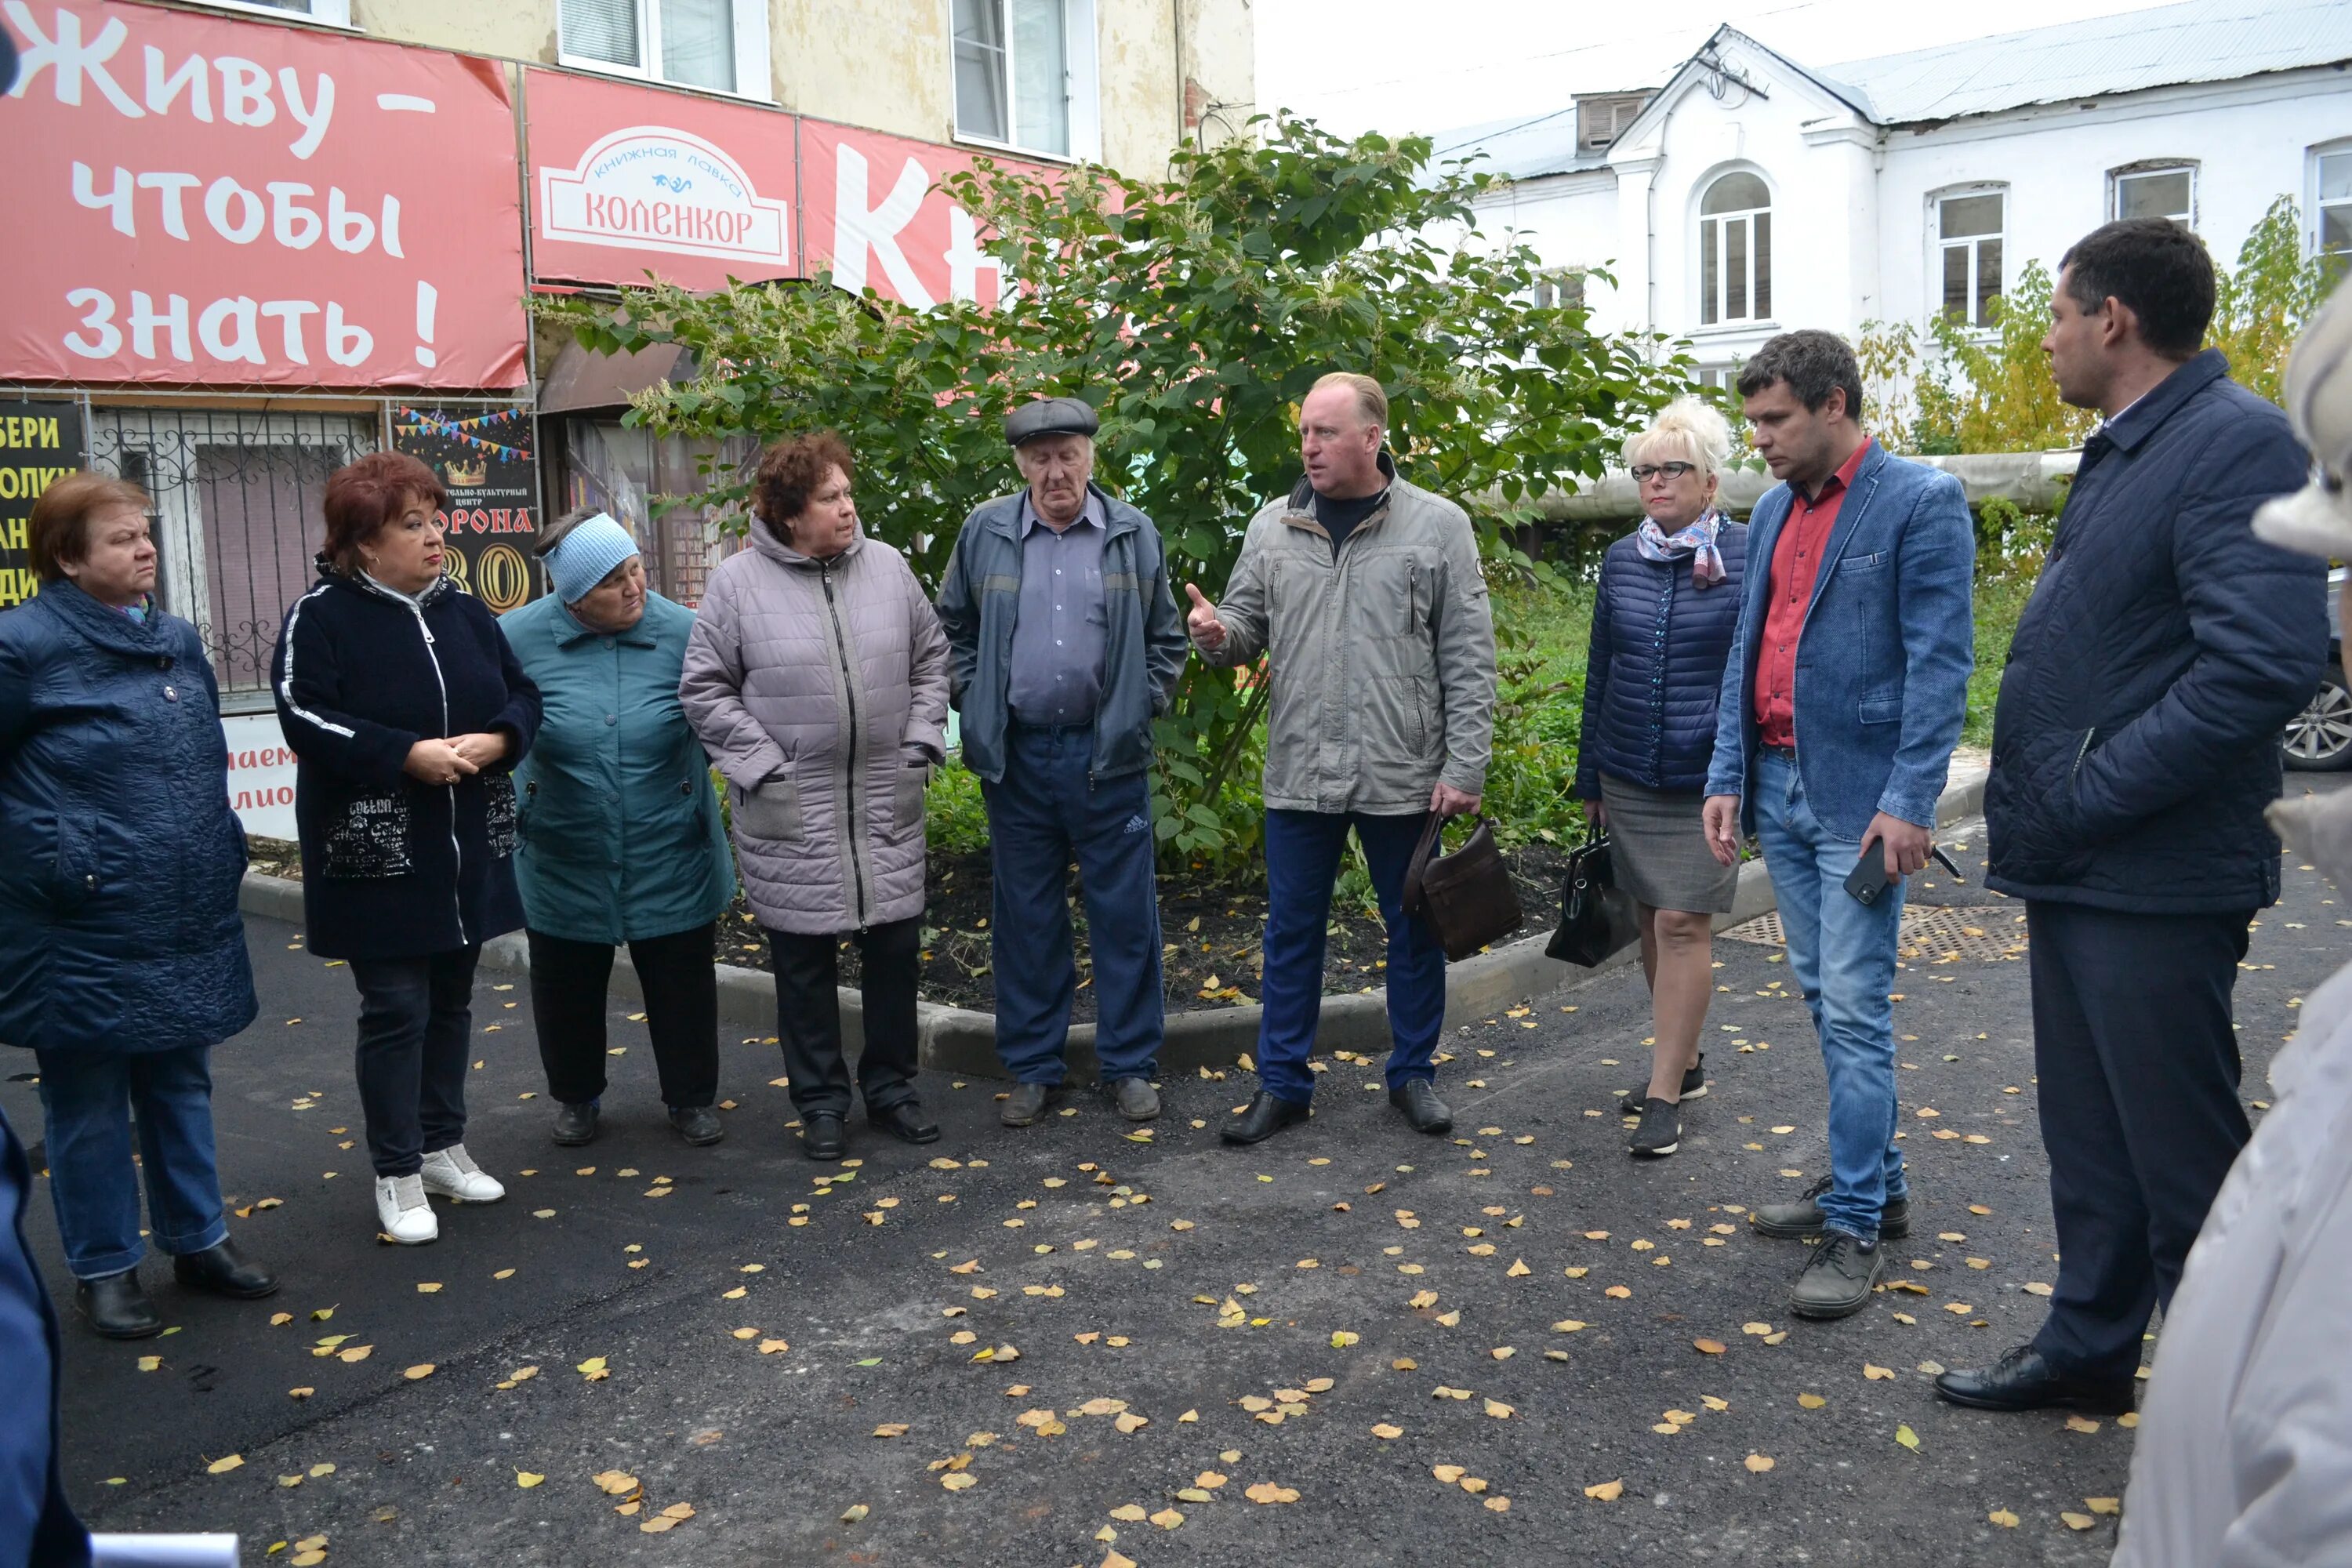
(416, 1017)
(678, 976)
(2139, 1079)
(1046, 810)
(808, 1015)
(89, 1100)
(1302, 862)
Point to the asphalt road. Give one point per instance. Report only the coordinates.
(1173, 1279)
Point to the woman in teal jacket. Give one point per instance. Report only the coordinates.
(620, 839)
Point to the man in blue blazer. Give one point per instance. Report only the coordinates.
(1840, 708)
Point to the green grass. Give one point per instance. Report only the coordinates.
(1999, 601)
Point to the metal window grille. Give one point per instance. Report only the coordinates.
(237, 519)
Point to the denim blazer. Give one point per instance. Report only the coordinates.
(1883, 658)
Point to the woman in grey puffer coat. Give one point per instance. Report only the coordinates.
(817, 676)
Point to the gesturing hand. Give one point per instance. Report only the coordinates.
(1201, 621)
(438, 761)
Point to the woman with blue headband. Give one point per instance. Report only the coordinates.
(620, 836)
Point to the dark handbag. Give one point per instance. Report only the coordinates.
(1466, 897)
(1596, 918)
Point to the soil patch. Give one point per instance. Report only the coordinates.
(1211, 931)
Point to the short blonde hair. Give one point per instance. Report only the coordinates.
(1688, 429)
(1370, 400)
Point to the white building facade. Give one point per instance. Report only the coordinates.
(1753, 195)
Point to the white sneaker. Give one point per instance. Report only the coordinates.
(452, 1172)
(401, 1213)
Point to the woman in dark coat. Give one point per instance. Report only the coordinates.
(1663, 621)
(406, 713)
(124, 957)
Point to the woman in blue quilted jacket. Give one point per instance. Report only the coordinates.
(124, 962)
(1663, 621)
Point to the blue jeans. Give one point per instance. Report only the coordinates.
(88, 1099)
(1302, 862)
(1842, 953)
(1045, 810)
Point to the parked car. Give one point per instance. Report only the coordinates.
(2319, 739)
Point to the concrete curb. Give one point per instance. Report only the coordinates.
(961, 1041)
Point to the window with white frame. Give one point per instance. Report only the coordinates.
(1025, 75)
(2155, 191)
(722, 45)
(2331, 203)
(1735, 251)
(1969, 233)
(335, 13)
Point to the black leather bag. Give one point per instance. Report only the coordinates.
(1466, 897)
(1596, 919)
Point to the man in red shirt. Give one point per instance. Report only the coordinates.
(1839, 713)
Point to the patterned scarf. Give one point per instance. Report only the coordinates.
(1697, 541)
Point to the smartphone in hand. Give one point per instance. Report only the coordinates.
(1868, 879)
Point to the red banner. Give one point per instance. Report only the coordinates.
(872, 215)
(628, 180)
(194, 199)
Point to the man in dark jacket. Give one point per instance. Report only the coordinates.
(2135, 746)
(36, 1524)
(1064, 646)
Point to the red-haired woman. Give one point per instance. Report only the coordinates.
(407, 713)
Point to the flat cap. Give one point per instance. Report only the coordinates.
(1050, 417)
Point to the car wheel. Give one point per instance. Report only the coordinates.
(2319, 739)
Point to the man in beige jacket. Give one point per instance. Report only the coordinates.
(1365, 593)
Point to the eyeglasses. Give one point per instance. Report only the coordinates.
(1644, 472)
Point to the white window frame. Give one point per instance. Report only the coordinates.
(1082, 81)
(754, 72)
(323, 12)
(1937, 245)
(2140, 171)
(1700, 218)
(2339, 148)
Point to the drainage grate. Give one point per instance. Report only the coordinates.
(1930, 935)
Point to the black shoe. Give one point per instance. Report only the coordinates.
(904, 1121)
(697, 1124)
(820, 1137)
(575, 1124)
(1028, 1103)
(1837, 1279)
(222, 1270)
(1802, 1220)
(1661, 1132)
(1267, 1115)
(2023, 1380)
(117, 1307)
(1418, 1100)
(1134, 1097)
(1694, 1088)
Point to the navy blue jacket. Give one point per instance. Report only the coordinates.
(119, 925)
(391, 866)
(2136, 741)
(1883, 657)
(1654, 670)
(36, 1524)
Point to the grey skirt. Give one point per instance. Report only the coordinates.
(1660, 852)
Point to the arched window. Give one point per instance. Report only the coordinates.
(1735, 251)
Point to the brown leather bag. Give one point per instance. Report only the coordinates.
(1466, 897)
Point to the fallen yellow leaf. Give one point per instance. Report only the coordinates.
(422, 1369)
(2077, 1521)
(528, 1478)
(2003, 1518)
(1606, 1492)
(224, 1465)
(1267, 1492)
(1758, 1463)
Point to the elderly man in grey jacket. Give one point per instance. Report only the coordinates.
(1064, 646)
(2245, 1440)
(1368, 593)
